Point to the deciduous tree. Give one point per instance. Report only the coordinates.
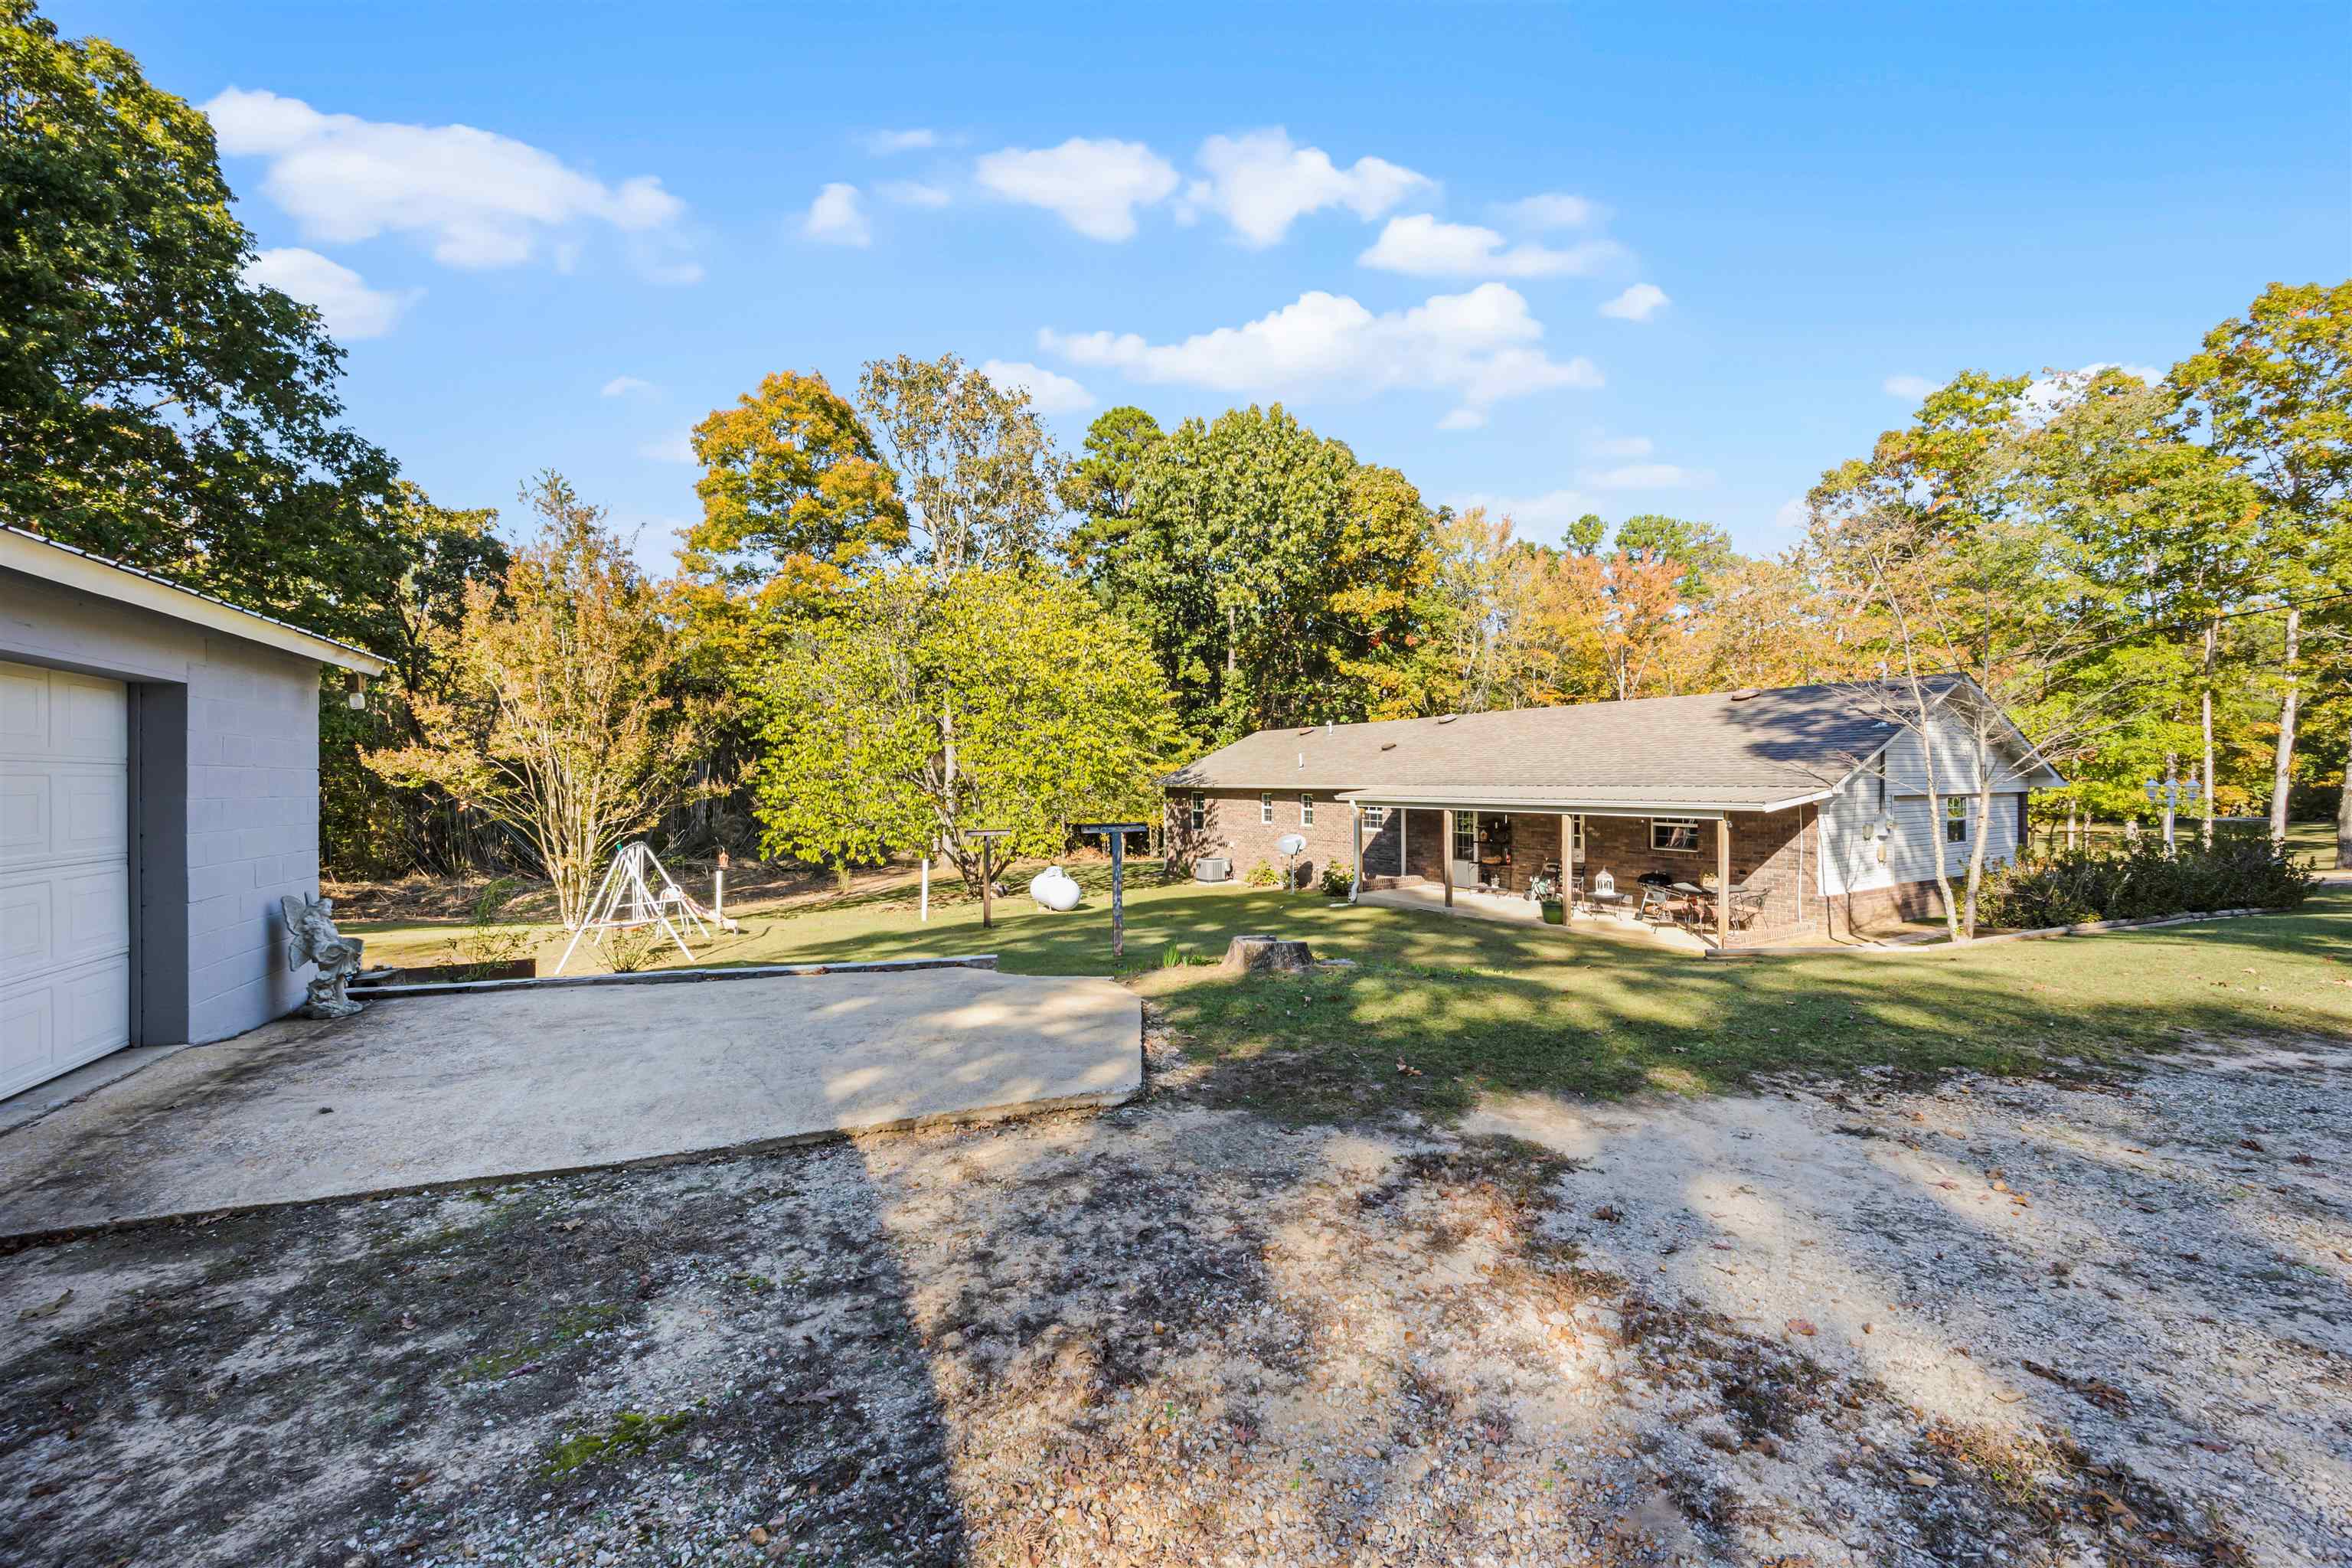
(2273, 390)
(795, 499)
(982, 476)
(561, 719)
(154, 407)
(924, 709)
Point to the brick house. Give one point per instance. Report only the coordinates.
(1806, 801)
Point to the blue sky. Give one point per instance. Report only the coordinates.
(1554, 258)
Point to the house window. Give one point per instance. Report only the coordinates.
(1376, 817)
(1466, 836)
(1306, 811)
(1675, 835)
(1956, 822)
(1266, 807)
(1199, 812)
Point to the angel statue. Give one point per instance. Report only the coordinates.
(311, 937)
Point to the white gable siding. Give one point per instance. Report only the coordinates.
(1851, 820)
(1906, 772)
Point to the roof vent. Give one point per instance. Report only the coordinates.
(1447, 718)
(1387, 745)
(1743, 693)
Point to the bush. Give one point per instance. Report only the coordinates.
(2142, 882)
(1263, 876)
(489, 944)
(1336, 883)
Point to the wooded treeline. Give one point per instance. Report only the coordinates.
(906, 613)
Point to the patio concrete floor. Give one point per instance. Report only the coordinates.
(1514, 909)
(437, 1091)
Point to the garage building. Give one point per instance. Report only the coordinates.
(159, 793)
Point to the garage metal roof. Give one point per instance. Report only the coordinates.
(23, 551)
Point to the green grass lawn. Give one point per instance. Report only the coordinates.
(2314, 841)
(1477, 1004)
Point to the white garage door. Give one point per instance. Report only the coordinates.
(65, 874)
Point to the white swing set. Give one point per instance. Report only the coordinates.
(637, 892)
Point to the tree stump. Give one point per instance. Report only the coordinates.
(1259, 954)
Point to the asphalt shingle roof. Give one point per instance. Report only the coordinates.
(1719, 749)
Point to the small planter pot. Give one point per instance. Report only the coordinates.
(1555, 913)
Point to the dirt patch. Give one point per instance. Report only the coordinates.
(1183, 1333)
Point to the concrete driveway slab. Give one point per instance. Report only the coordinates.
(427, 1091)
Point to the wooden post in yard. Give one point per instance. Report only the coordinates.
(988, 837)
(1723, 885)
(1118, 832)
(1445, 851)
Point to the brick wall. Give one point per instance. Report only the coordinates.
(1234, 828)
(1778, 852)
(1424, 845)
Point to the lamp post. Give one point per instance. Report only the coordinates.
(2172, 792)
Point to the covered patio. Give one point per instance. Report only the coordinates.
(1722, 872)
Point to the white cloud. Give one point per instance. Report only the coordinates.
(1553, 209)
(1094, 186)
(1910, 388)
(1463, 419)
(1261, 182)
(350, 310)
(622, 385)
(837, 217)
(677, 449)
(912, 194)
(1618, 445)
(1793, 514)
(478, 198)
(1050, 390)
(1480, 346)
(1422, 246)
(1648, 476)
(1549, 512)
(882, 143)
(1638, 303)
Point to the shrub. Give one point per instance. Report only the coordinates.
(489, 944)
(2142, 882)
(1337, 882)
(634, 948)
(1263, 876)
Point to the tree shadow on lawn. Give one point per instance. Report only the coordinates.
(1348, 1043)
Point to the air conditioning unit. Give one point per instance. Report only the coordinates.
(1213, 868)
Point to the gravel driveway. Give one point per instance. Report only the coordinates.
(1960, 1322)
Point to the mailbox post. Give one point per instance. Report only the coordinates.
(1118, 832)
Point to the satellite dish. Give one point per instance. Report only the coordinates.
(1291, 844)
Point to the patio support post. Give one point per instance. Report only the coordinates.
(1356, 832)
(1723, 884)
(1445, 852)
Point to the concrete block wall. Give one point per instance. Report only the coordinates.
(225, 800)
